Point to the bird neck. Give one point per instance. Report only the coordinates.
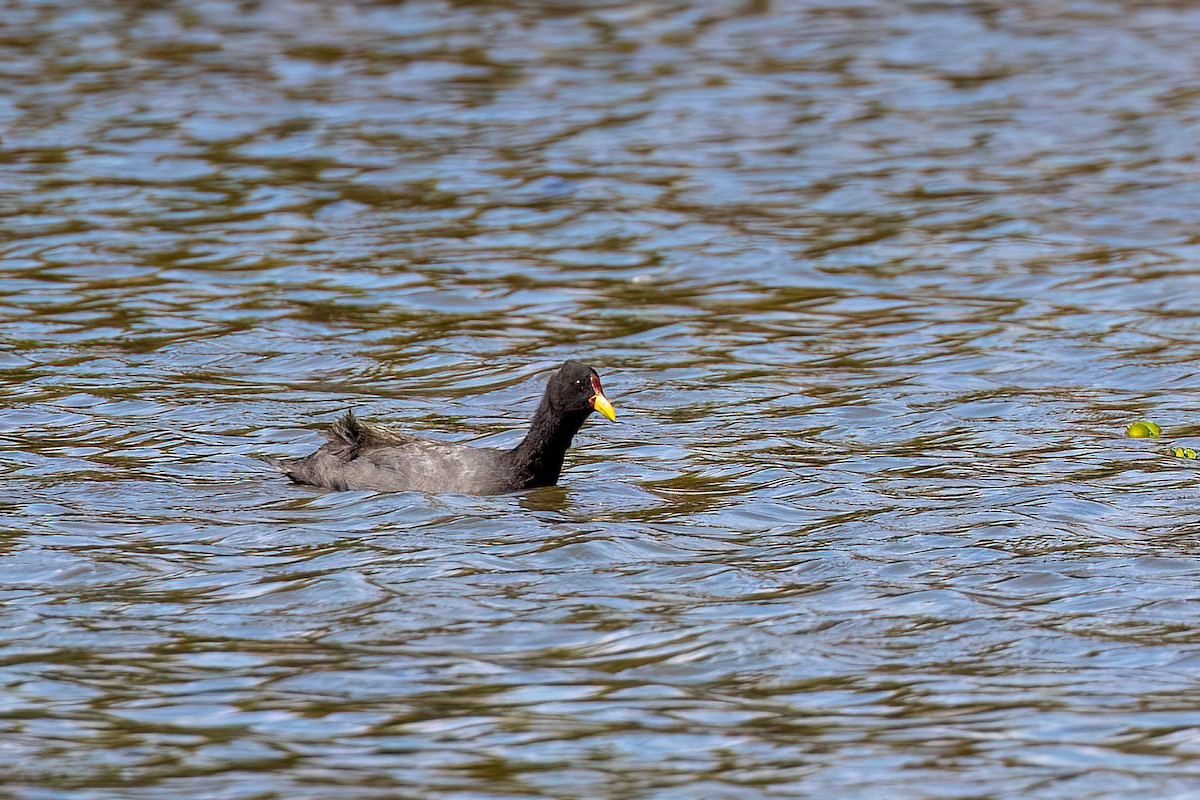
(539, 456)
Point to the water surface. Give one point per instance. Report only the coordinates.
(875, 288)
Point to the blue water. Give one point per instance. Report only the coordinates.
(875, 288)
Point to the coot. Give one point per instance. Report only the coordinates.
(363, 456)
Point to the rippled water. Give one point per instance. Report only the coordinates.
(875, 287)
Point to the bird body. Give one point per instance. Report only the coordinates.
(361, 456)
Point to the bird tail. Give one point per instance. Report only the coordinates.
(349, 436)
(345, 439)
(346, 432)
(272, 462)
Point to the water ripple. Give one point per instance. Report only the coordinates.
(874, 287)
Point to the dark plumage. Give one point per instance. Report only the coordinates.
(362, 456)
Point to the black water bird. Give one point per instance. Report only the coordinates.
(363, 456)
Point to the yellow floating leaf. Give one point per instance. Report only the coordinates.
(1185, 452)
(1143, 430)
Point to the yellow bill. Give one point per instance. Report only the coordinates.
(601, 404)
